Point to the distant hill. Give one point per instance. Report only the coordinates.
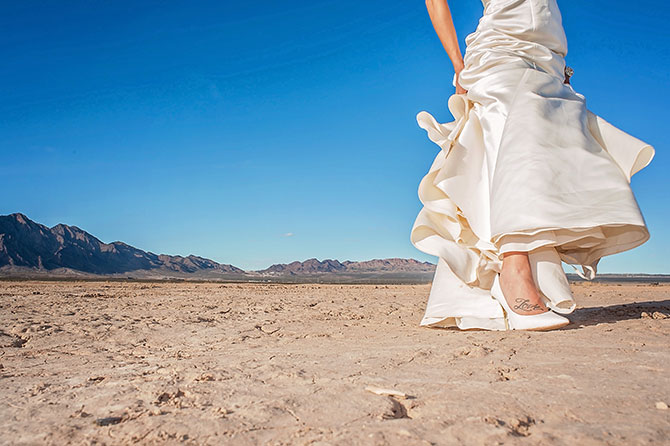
(314, 266)
(26, 244)
(30, 249)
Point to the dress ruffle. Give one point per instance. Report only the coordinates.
(442, 227)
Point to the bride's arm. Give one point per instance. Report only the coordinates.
(440, 16)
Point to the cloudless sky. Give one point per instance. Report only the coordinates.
(262, 132)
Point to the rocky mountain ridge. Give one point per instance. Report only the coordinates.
(29, 246)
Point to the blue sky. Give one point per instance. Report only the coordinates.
(265, 132)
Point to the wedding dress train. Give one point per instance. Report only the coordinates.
(524, 166)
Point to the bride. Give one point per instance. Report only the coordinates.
(526, 177)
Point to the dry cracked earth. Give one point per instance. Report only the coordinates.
(108, 363)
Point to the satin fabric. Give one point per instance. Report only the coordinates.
(524, 166)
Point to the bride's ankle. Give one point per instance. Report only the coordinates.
(516, 285)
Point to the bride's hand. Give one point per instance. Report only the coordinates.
(568, 72)
(459, 89)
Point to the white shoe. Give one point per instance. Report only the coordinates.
(542, 321)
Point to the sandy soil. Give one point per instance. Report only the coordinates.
(271, 364)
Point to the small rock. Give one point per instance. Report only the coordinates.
(661, 405)
(166, 397)
(474, 351)
(395, 410)
(108, 421)
(659, 315)
(19, 341)
(81, 413)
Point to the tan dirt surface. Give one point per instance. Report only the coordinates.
(271, 364)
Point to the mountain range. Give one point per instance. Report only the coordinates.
(30, 248)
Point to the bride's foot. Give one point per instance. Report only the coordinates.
(518, 287)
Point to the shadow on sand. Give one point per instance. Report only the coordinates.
(582, 317)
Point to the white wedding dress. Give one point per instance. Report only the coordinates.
(525, 166)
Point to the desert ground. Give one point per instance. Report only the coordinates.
(318, 364)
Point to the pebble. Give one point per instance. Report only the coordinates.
(108, 421)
